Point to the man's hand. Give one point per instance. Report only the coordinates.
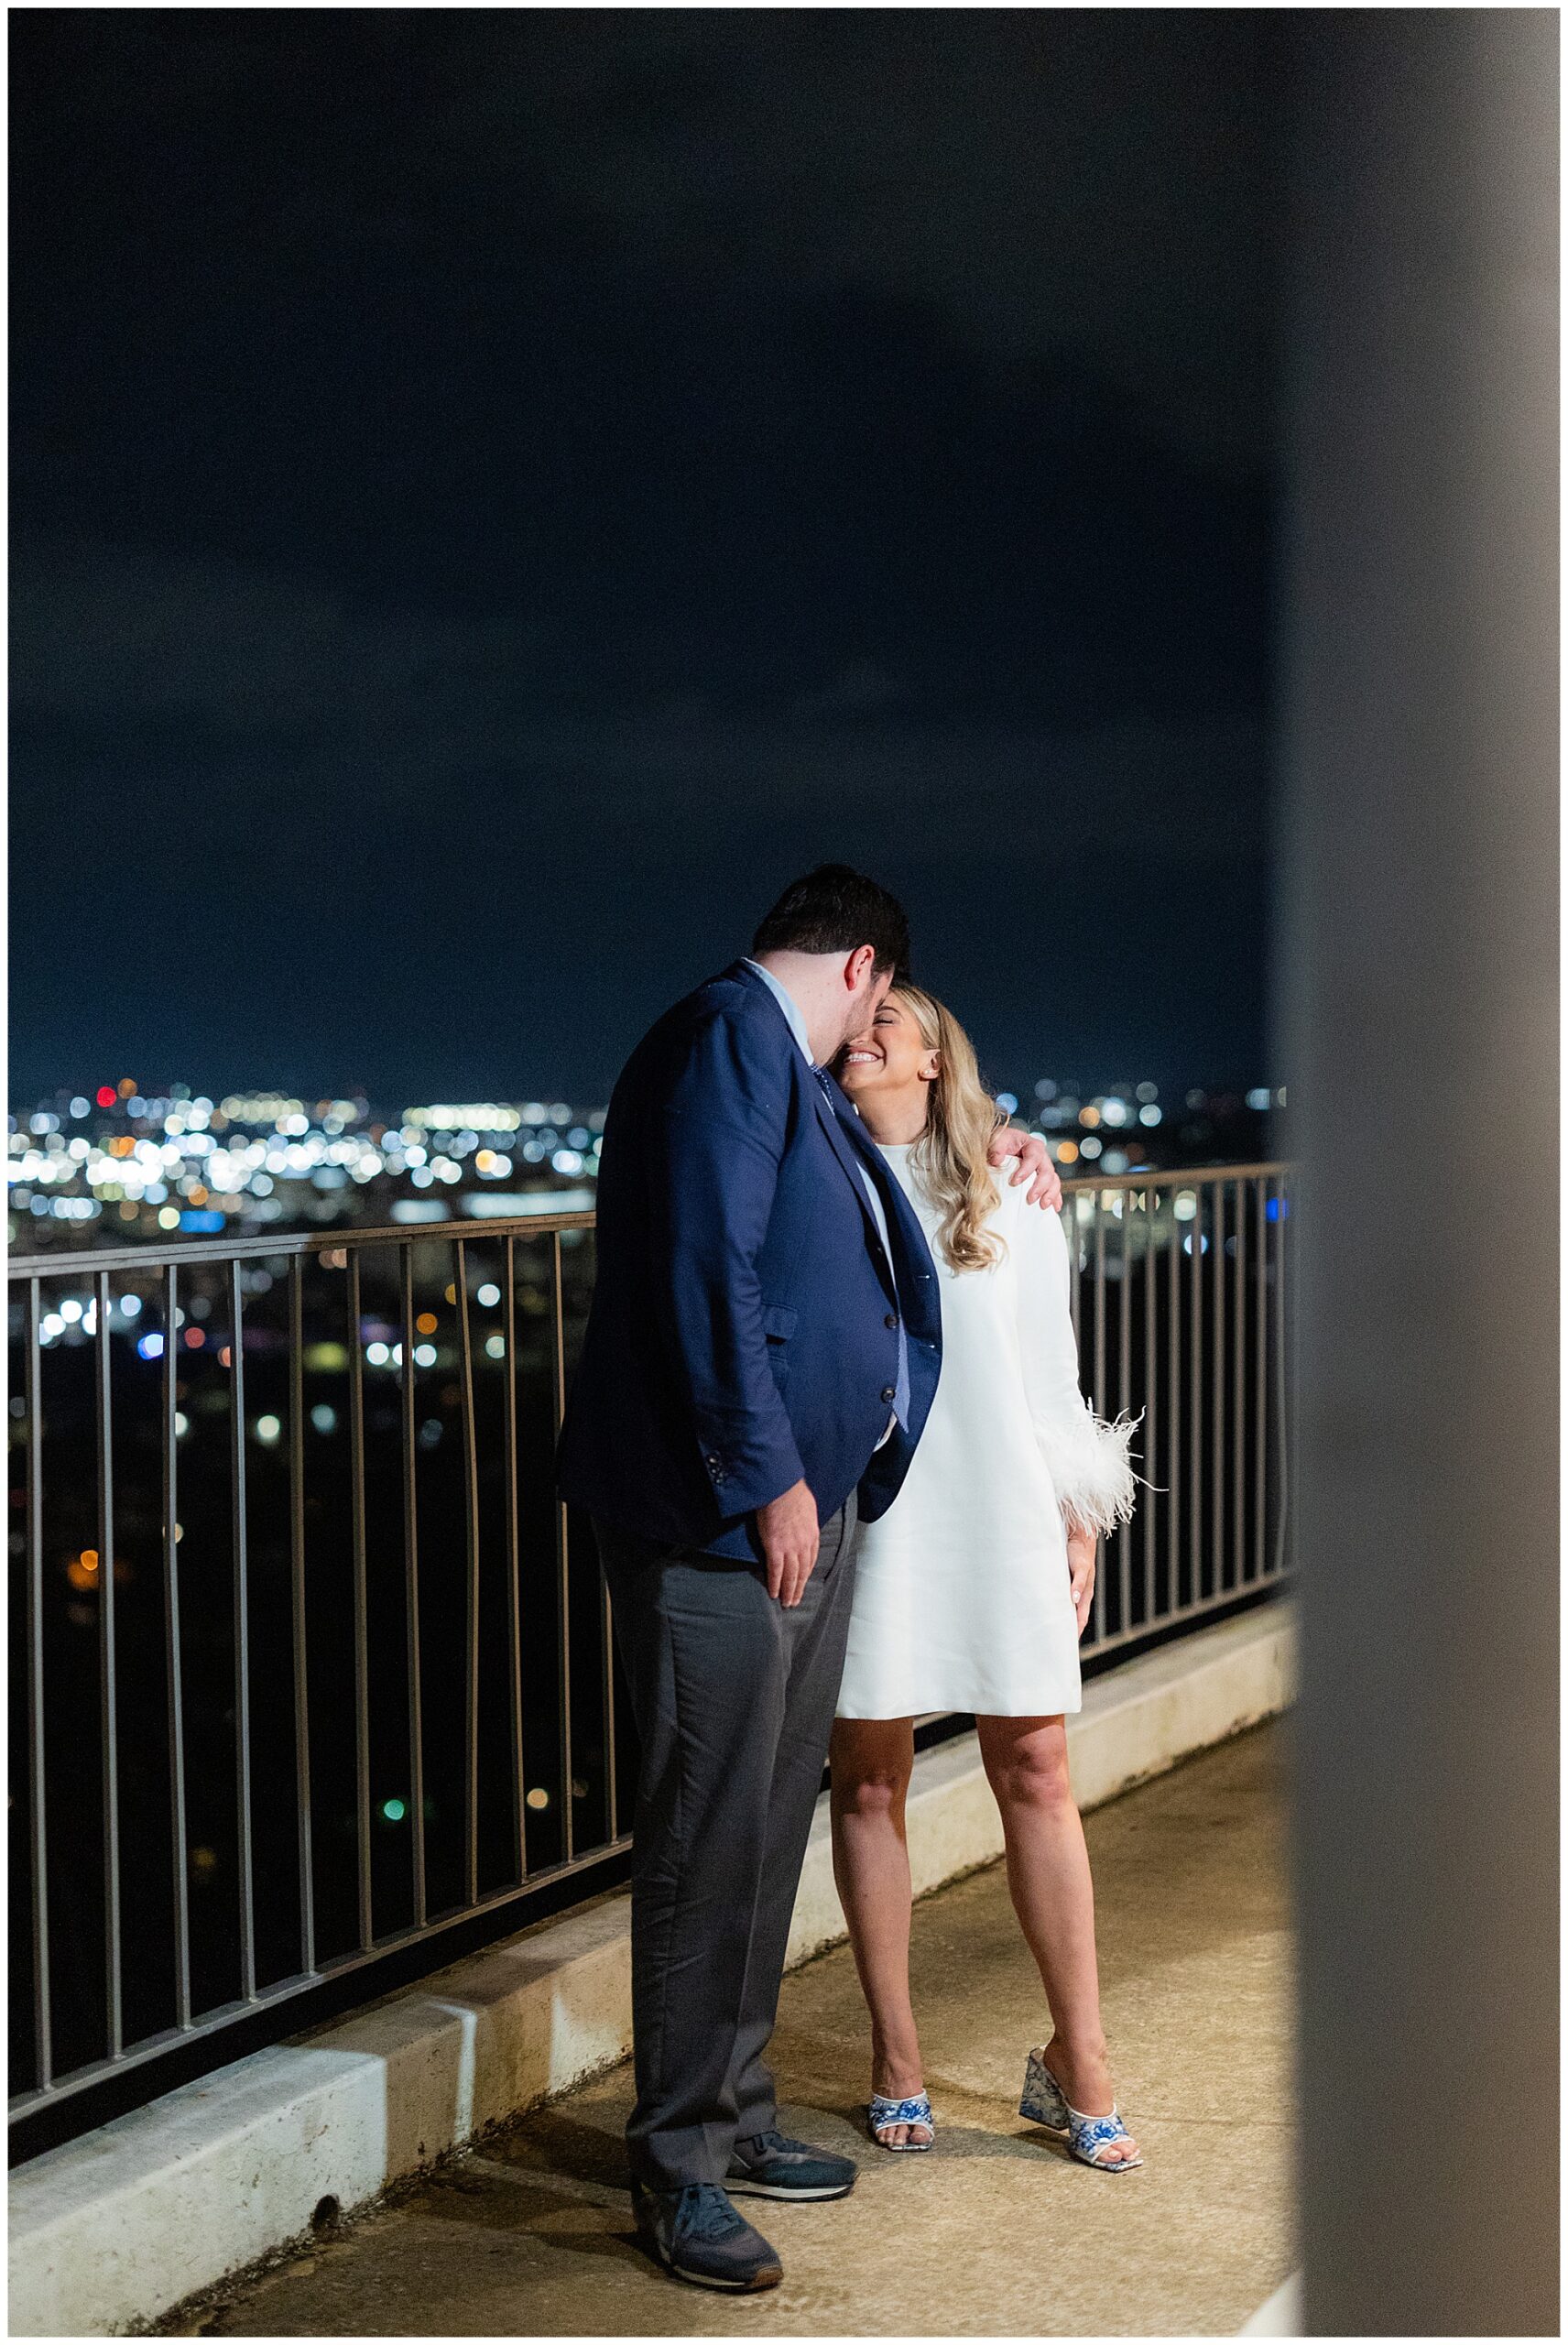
(789, 1531)
(1033, 1165)
(1082, 1546)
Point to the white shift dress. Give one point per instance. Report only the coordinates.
(962, 1598)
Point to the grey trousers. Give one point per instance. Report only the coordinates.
(734, 1698)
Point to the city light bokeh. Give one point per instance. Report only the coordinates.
(117, 1165)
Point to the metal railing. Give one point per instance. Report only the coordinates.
(311, 1668)
(1179, 1304)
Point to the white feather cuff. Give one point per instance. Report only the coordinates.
(1091, 1465)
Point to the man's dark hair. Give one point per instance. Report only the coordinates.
(835, 910)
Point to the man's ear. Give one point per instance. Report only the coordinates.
(858, 968)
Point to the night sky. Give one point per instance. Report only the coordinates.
(496, 493)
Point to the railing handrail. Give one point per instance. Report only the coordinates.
(138, 1257)
(298, 1241)
(1189, 1177)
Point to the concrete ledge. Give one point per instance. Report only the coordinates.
(109, 2232)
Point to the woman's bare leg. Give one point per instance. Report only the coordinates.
(872, 1759)
(1053, 1896)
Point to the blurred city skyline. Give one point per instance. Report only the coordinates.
(119, 1165)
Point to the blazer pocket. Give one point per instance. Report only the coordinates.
(779, 1322)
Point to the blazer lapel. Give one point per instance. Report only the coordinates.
(835, 1119)
(843, 1148)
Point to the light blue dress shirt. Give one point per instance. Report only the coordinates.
(797, 1024)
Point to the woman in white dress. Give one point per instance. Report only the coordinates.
(971, 1591)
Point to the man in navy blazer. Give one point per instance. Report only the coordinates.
(760, 1356)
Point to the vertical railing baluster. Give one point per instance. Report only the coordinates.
(242, 1631)
(471, 1527)
(1174, 1447)
(1283, 1399)
(298, 1622)
(1261, 1383)
(173, 1666)
(1097, 1198)
(1123, 1402)
(1238, 1394)
(607, 1663)
(1217, 1505)
(411, 1591)
(360, 1625)
(38, 1802)
(563, 1576)
(1151, 1395)
(107, 1727)
(607, 1633)
(514, 1565)
(1098, 1610)
(1070, 1231)
(1195, 1415)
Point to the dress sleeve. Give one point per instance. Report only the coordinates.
(1089, 1459)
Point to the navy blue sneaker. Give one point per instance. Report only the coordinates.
(697, 2234)
(769, 2167)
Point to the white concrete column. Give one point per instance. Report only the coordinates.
(1419, 868)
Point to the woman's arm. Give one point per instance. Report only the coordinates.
(1089, 1459)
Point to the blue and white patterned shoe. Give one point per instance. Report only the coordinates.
(1043, 2102)
(883, 2114)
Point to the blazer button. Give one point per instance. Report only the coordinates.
(889, 1393)
(891, 1320)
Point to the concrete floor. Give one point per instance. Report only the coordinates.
(998, 2232)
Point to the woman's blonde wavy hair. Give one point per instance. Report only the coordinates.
(961, 1119)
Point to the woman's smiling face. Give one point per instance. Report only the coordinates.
(891, 1055)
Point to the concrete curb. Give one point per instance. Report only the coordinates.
(111, 2231)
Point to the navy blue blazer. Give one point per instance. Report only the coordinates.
(744, 1332)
